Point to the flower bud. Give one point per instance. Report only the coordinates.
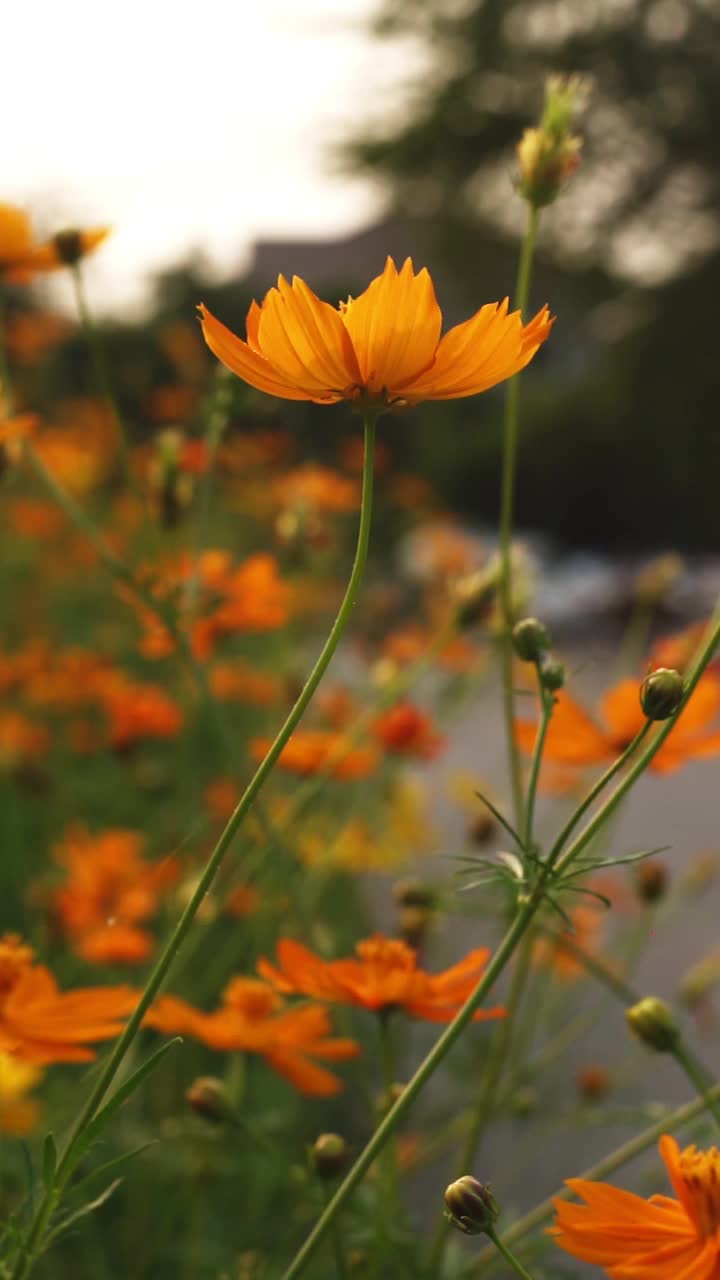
(552, 673)
(698, 982)
(470, 1206)
(207, 1097)
(548, 155)
(329, 1155)
(530, 639)
(414, 923)
(472, 596)
(661, 693)
(593, 1083)
(651, 880)
(414, 893)
(653, 1023)
(71, 245)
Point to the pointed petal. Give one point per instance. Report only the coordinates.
(486, 349)
(305, 341)
(395, 327)
(247, 362)
(573, 737)
(622, 712)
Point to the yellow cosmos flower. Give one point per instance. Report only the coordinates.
(383, 348)
(21, 257)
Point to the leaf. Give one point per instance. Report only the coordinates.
(82, 1212)
(49, 1163)
(85, 1139)
(500, 818)
(590, 865)
(114, 1164)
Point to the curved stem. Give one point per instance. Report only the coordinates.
(507, 504)
(502, 1248)
(28, 1254)
(698, 1077)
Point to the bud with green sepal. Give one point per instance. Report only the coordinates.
(470, 1206)
(661, 693)
(530, 639)
(652, 1022)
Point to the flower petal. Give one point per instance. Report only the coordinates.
(479, 353)
(395, 327)
(305, 340)
(245, 360)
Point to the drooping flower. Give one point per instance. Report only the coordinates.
(383, 974)
(576, 739)
(657, 1239)
(253, 1019)
(383, 348)
(41, 1024)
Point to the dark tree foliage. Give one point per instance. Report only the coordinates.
(621, 427)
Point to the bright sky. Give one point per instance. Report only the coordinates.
(188, 124)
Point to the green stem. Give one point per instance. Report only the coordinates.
(507, 503)
(698, 1076)
(508, 1256)
(548, 705)
(595, 791)
(495, 1063)
(594, 966)
(217, 416)
(33, 1241)
(598, 1172)
(336, 1240)
(102, 376)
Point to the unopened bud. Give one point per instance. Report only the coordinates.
(481, 827)
(388, 1097)
(470, 1206)
(700, 980)
(413, 924)
(552, 674)
(661, 693)
(530, 639)
(652, 1022)
(473, 595)
(207, 1097)
(69, 246)
(656, 578)
(548, 155)
(329, 1155)
(651, 880)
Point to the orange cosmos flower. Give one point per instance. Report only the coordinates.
(575, 739)
(138, 711)
(383, 975)
(383, 348)
(21, 258)
(313, 750)
(405, 730)
(316, 487)
(656, 1239)
(41, 1024)
(252, 1019)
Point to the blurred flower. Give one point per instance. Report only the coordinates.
(138, 711)
(656, 1239)
(316, 487)
(22, 742)
(238, 681)
(412, 642)
(586, 933)
(313, 750)
(383, 975)
(30, 334)
(405, 730)
(41, 1024)
(19, 1114)
(383, 348)
(253, 1019)
(108, 891)
(593, 1082)
(575, 739)
(679, 649)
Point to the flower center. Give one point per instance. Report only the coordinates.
(700, 1171)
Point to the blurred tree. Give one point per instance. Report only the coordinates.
(629, 256)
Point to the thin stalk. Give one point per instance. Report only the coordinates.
(698, 1076)
(217, 417)
(341, 1266)
(595, 791)
(598, 1172)
(547, 707)
(596, 967)
(507, 504)
(102, 375)
(39, 1226)
(497, 1058)
(502, 1248)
